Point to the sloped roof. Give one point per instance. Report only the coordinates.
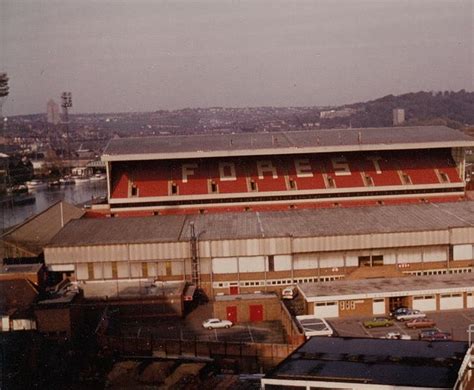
(32, 235)
(17, 294)
(296, 223)
(284, 142)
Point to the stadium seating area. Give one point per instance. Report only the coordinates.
(277, 175)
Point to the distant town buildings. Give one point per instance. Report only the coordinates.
(398, 116)
(52, 112)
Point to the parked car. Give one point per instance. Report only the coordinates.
(289, 292)
(410, 315)
(399, 310)
(378, 322)
(417, 323)
(214, 323)
(434, 334)
(397, 336)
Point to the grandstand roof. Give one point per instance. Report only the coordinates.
(287, 142)
(296, 223)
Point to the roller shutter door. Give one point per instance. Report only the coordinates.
(424, 302)
(451, 301)
(470, 300)
(378, 306)
(326, 309)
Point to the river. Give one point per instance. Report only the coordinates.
(74, 194)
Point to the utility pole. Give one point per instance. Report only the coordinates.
(66, 102)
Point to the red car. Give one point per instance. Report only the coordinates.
(420, 323)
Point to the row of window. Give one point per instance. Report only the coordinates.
(276, 282)
(440, 271)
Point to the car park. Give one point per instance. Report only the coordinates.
(417, 323)
(378, 322)
(434, 335)
(215, 323)
(410, 315)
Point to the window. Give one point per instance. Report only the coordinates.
(213, 187)
(114, 270)
(134, 190)
(174, 189)
(253, 185)
(145, 270)
(377, 260)
(168, 268)
(364, 261)
(271, 263)
(292, 184)
(90, 270)
(369, 182)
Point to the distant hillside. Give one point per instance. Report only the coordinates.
(454, 109)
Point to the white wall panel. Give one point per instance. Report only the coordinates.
(424, 302)
(306, 261)
(389, 258)
(409, 255)
(177, 268)
(455, 301)
(282, 262)
(434, 254)
(107, 270)
(252, 264)
(331, 260)
(462, 252)
(152, 269)
(135, 269)
(123, 269)
(352, 260)
(224, 265)
(81, 272)
(98, 271)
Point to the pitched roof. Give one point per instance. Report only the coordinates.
(32, 235)
(17, 294)
(296, 223)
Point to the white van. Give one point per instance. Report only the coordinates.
(289, 292)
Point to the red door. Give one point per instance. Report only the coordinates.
(232, 313)
(234, 290)
(256, 313)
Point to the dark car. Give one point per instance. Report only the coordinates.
(400, 310)
(434, 334)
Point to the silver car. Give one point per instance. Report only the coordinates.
(410, 315)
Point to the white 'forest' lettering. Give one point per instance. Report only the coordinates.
(303, 168)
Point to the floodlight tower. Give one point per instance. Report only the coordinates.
(3, 91)
(66, 102)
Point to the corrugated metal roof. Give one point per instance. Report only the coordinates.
(33, 234)
(297, 223)
(294, 140)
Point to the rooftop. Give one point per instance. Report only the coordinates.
(385, 286)
(374, 361)
(295, 223)
(32, 235)
(286, 142)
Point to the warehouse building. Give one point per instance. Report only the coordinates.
(235, 253)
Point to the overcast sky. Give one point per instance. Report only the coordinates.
(135, 55)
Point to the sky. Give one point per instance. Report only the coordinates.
(137, 55)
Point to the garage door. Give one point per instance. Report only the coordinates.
(451, 301)
(470, 300)
(379, 306)
(326, 309)
(424, 302)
